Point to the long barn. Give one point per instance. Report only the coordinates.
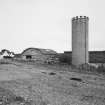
(38, 54)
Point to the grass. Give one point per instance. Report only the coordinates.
(54, 88)
(97, 100)
(92, 69)
(7, 97)
(101, 69)
(59, 66)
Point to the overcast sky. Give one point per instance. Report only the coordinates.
(47, 23)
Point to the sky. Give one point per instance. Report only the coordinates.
(47, 23)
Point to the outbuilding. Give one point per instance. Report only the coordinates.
(38, 54)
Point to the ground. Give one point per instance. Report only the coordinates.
(32, 84)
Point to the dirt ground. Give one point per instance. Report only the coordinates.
(24, 84)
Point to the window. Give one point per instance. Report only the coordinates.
(28, 57)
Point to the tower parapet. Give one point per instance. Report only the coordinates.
(80, 18)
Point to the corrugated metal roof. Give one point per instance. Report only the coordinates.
(40, 50)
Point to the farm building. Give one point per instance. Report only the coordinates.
(37, 54)
(6, 54)
(94, 56)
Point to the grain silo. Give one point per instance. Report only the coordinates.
(80, 40)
